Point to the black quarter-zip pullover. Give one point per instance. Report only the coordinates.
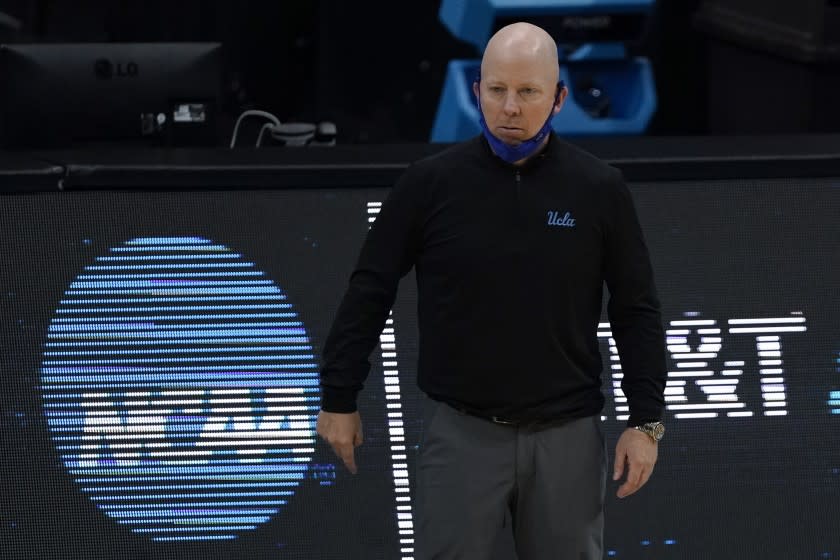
(510, 264)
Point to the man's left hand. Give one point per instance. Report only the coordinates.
(638, 452)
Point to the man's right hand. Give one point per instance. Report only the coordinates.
(343, 431)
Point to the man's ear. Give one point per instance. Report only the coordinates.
(475, 89)
(561, 98)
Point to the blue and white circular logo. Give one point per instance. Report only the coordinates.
(181, 389)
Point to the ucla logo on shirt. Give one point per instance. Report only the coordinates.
(555, 219)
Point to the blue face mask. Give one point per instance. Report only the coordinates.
(528, 147)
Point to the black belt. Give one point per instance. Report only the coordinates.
(503, 421)
(491, 418)
(531, 423)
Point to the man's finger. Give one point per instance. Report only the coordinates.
(346, 454)
(626, 489)
(618, 469)
(634, 473)
(343, 433)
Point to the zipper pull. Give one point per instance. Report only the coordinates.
(517, 177)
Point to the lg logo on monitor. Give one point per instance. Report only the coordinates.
(104, 69)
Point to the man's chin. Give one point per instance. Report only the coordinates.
(511, 137)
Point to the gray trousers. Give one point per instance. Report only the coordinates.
(473, 474)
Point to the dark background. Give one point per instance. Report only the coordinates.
(376, 68)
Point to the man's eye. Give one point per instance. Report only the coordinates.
(496, 89)
(529, 91)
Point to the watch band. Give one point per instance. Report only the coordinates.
(656, 430)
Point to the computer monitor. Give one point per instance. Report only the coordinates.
(56, 95)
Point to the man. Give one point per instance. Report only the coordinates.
(512, 234)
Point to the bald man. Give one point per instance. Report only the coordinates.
(513, 235)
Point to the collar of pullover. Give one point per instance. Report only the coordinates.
(534, 162)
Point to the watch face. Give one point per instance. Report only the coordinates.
(658, 430)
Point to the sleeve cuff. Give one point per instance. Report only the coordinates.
(338, 399)
(638, 420)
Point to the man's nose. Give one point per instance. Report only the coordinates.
(511, 107)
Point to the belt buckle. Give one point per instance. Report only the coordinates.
(498, 420)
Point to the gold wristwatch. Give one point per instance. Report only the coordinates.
(656, 430)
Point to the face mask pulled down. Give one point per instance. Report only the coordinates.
(527, 148)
